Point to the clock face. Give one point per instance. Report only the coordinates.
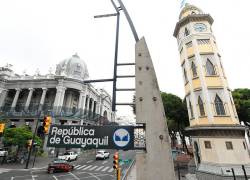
(200, 27)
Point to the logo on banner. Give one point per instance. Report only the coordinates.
(121, 137)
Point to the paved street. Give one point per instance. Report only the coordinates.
(85, 168)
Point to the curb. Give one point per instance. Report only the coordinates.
(128, 170)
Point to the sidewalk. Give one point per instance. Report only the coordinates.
(40, 163)
(132, 174)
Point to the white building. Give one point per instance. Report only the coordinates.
(63, 95)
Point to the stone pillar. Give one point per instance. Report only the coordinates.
(42, 100)
(92, 106)
(13, 105)
(156, 162)
(28, 99)
(60, 92)
(3, 94)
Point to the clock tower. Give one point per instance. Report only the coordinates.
(217, 136)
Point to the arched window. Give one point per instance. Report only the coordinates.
(191, 109)
(219, 106)
(185, 75)
(201, 106)
(194, 71)
(210, 68)
(186, 32)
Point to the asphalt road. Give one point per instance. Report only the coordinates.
(85, 169)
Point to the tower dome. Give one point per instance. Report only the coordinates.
(73, 67)
(189, 9)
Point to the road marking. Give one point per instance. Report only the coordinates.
(87, 167)
(90, 161)
(104, 169)
(54, 177)
(99, 168)
(104, 162)
(94, 176)
(81, 167)
(74, 176)
(111, 170)
(93, 168)
(77, 166)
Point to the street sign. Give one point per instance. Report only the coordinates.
(91, 137)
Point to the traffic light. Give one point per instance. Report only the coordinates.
(46, 124)
(116, 160)
(2, 125)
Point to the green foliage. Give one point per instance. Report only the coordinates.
(242, 103)
(176, 111)
(19, 136)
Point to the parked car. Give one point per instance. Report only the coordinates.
(102, 154)
(3, 152)
(68, 156)
(60, 166)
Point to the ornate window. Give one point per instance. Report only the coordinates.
(219, 106)
(194, 70)
(185, 75)
(229, 145)
(186, 32)
(191, 109)
(210, 68)
(208, 144)
(201, 106)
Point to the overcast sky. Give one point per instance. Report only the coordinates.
(41, 33)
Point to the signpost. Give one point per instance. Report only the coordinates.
(91, 137)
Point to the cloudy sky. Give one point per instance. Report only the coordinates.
(40, 33)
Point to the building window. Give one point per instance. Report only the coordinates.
(189, 44)
(186, 32)
(210, 68)
(191, 110)
(207, 144)
(194, 70)
(203, 41)
(185, 75)
(229, 145)
(201, 106)
(219, 106)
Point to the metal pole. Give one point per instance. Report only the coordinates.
(34, 157)
(233, 173)
(33, 138)
(178, 171)
(115, 62)
(244, 170)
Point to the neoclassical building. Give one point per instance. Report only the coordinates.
(63, 95)
(217, 136)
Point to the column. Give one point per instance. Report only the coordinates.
(3, 94)
(57, 102)
(13, 105)
(28, 99)
(42, 98)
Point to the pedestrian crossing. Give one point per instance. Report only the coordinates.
(94, 168)
(3, 170)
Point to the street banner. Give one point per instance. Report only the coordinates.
(91, 137)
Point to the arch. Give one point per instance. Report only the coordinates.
(210, 68)
(191, 109)
(201, 106)
(219, 106)
(197, 154)
(194, 70)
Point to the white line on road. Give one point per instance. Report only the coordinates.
(104, 162)
(91, 169)
(81, 167)
(87, 167)
(74, 176)
(94, 176)
(104, 169)
(99, 168)
(54, 177)
(77, 166)
(111, 170)
(90, 161)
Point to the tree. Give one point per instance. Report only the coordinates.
(177, 116)
(242, 103)
(19, 137)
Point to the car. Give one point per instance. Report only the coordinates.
(69, 156)
(102, 154)
(60, 166)
(3, 152)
